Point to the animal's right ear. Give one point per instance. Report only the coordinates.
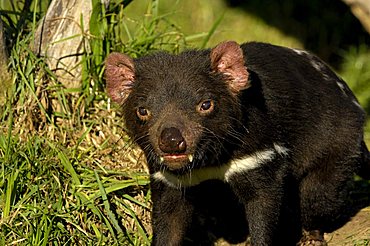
(120, 75)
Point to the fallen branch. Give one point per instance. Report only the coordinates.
(361, 9)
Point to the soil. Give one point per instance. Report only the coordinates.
(355, 232)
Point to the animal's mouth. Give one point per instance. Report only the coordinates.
(176, 161)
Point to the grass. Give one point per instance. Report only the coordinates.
(68, 172)
(52, 198)
(356, 70)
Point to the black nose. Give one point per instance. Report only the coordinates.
(171, 141)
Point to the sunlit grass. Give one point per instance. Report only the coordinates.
(69, 174)
(356, 71)
(196, 17)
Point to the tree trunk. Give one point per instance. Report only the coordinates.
(361, 9)
(61, 38)
(5, 76)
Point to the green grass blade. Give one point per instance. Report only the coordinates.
(140, 228)
(10, 193)
(109, 212)
(212, 31)
(69, 167)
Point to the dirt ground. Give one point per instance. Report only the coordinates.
(355, 232)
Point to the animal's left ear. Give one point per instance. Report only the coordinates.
(227, 58)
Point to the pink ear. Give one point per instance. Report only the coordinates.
(119, 74)
(227, 58)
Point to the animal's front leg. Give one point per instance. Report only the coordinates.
(262, 195)
(263, 215)
(171, 215)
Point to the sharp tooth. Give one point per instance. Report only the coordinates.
(190, 157)
(161, 159)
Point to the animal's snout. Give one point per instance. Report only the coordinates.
(171, 141)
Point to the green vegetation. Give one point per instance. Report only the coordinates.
(356, 71)
(68, 172)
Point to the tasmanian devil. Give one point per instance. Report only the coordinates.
(250, 139)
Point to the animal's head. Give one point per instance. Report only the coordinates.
(181, 109)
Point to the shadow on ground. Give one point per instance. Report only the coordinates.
(325, 27)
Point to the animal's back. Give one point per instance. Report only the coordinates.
(312, 110)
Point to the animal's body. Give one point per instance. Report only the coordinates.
(256, 140)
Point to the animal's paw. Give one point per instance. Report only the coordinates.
(312, 238)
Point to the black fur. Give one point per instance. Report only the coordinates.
(290, 98)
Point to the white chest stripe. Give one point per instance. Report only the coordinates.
(224, 172)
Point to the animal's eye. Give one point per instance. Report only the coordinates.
(142, 113)
(206, 106)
